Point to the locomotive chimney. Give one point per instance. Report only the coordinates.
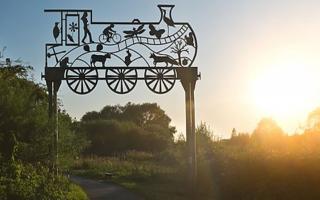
(165, 11)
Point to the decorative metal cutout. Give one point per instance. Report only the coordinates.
(121, 53)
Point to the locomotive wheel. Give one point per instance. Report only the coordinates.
(121, 81)
(82, 80)
(160, 81)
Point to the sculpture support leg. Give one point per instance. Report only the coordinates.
(191, 136)
(53, 87)
(188, 78)
(56, 130)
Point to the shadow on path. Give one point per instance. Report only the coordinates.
(101, 190)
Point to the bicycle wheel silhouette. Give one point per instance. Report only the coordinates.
(103, 38)
(116, 38)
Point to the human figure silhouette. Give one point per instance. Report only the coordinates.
(85, 28)
(108, 31)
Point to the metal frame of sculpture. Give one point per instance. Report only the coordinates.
(84, 51)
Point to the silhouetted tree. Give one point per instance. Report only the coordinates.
(24, 113)
(268, 134)
(118, 128)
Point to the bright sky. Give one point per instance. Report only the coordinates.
(257, 57)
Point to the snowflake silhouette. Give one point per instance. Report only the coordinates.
(73, 27)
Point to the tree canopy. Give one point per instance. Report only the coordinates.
(118, 128)
(24, 114)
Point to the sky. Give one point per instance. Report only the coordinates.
(257, 58)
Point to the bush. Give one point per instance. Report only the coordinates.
(23, 182)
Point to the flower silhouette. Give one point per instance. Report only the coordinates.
(73, 27)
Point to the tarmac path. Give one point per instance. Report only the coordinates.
(103, 190)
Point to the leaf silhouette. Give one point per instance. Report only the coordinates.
(70, 38)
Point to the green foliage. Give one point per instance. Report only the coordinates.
(71, 141)
(26, 182)
(204, 137)
(140, 114)
(9, 147)
(23, 106)
(24, 114)
(26, 141)
(268, 134)
(76, 193)
(266, 165)
(244, 167)
(138, 171)
(142, 127)
(111, 136)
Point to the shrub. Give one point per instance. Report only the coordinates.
(26, 182)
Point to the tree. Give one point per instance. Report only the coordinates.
(179, 47)
(313, 121)
(130, 127)
(24, 113)
(204, 139)
(233, 133)
(268, 133)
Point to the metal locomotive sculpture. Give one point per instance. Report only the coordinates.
(84, 51)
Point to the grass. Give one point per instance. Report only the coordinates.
(139, 172)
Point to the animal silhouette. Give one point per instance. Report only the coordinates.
(64, 62)
(127, 59)
(99, 58)
(163, 59)
(154, 31)
(167, 20)
(134, 32)
(56, 31)
(189, 39)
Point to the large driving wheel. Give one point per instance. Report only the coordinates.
(81, 80)
(160, 80)
(121, 80)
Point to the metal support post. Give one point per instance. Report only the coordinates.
(56, 130)
(188, 78)
(53, 87)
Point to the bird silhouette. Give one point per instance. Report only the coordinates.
(189, 39)
(56, 31)
(167, 20)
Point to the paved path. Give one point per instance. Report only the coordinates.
(102, 190)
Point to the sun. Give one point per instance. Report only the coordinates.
(285, 89)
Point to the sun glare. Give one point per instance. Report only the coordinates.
(285, 89)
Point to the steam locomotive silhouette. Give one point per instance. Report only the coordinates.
(84, 51)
